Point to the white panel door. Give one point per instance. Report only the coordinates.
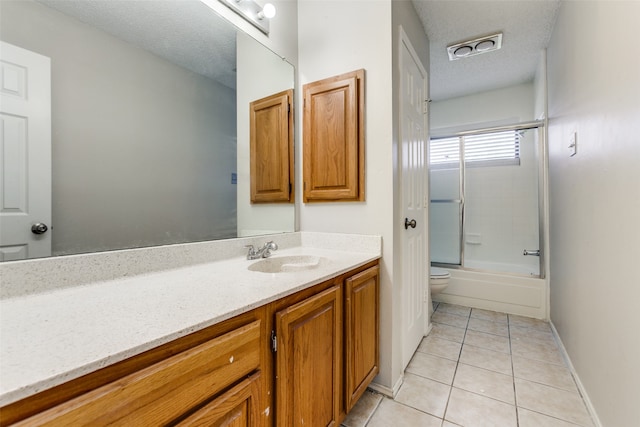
(413, 147)
(25, 153)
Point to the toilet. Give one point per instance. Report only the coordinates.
(438, 280)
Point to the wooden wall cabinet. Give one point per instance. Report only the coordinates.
(333, 152)
(271, 149)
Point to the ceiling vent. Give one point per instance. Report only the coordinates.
(474, 47)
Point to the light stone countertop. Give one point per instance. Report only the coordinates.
(51, 337)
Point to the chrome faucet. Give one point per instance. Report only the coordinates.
(263, 252)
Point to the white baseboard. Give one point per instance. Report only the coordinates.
(429, 327)
(581, 389)
(389, 392)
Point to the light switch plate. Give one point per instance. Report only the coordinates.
(573, 144)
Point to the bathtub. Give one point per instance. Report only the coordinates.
(531, 270)
(503, 292)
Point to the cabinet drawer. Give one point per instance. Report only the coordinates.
(237, 407)
(164, 391)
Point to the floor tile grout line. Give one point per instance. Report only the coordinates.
(368, 420)
(552, 416)
(455, 372)
(513, 373)
(406, 406)
(510, 326)
(489, 370)
(549, 385)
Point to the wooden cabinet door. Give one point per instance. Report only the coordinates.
(271, 148)
(361, 333)
(237, 407)
(333, 154)
(308, 362)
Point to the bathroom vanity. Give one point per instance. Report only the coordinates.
(215, 342)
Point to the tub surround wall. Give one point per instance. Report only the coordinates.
(595, 201)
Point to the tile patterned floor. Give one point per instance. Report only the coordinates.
(480, 368)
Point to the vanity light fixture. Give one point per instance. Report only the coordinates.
(253, 13)
(474, 47)
(268, 11)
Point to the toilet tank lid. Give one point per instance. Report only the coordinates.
(439, 272)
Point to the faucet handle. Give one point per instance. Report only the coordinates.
(251, 252)
(267, 248)
(271, 245)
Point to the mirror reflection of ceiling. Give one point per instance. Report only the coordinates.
(526, 26)
(187, 32)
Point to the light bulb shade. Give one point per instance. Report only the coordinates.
(252, 12)
(269, 10)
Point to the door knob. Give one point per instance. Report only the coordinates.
(408, 223)
(39, 228)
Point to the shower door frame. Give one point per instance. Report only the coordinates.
(542, 152)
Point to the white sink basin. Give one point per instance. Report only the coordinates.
(280, 264)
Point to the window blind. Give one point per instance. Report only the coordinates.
(483, 149)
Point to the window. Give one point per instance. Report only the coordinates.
(487, 149)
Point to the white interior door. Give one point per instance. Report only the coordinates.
(25, 151)
(413, 147)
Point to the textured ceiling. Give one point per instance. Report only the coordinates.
(185, 32)
(190, 34)
(526, 26)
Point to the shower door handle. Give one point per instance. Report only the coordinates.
(408, 223)
(534, 253)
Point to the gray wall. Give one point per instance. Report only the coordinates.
(595, 201)
(143, 150)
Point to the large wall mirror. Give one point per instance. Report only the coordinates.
(149, 122)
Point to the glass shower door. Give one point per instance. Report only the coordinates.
(485, 199)
(446, 207)
(501, 212)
